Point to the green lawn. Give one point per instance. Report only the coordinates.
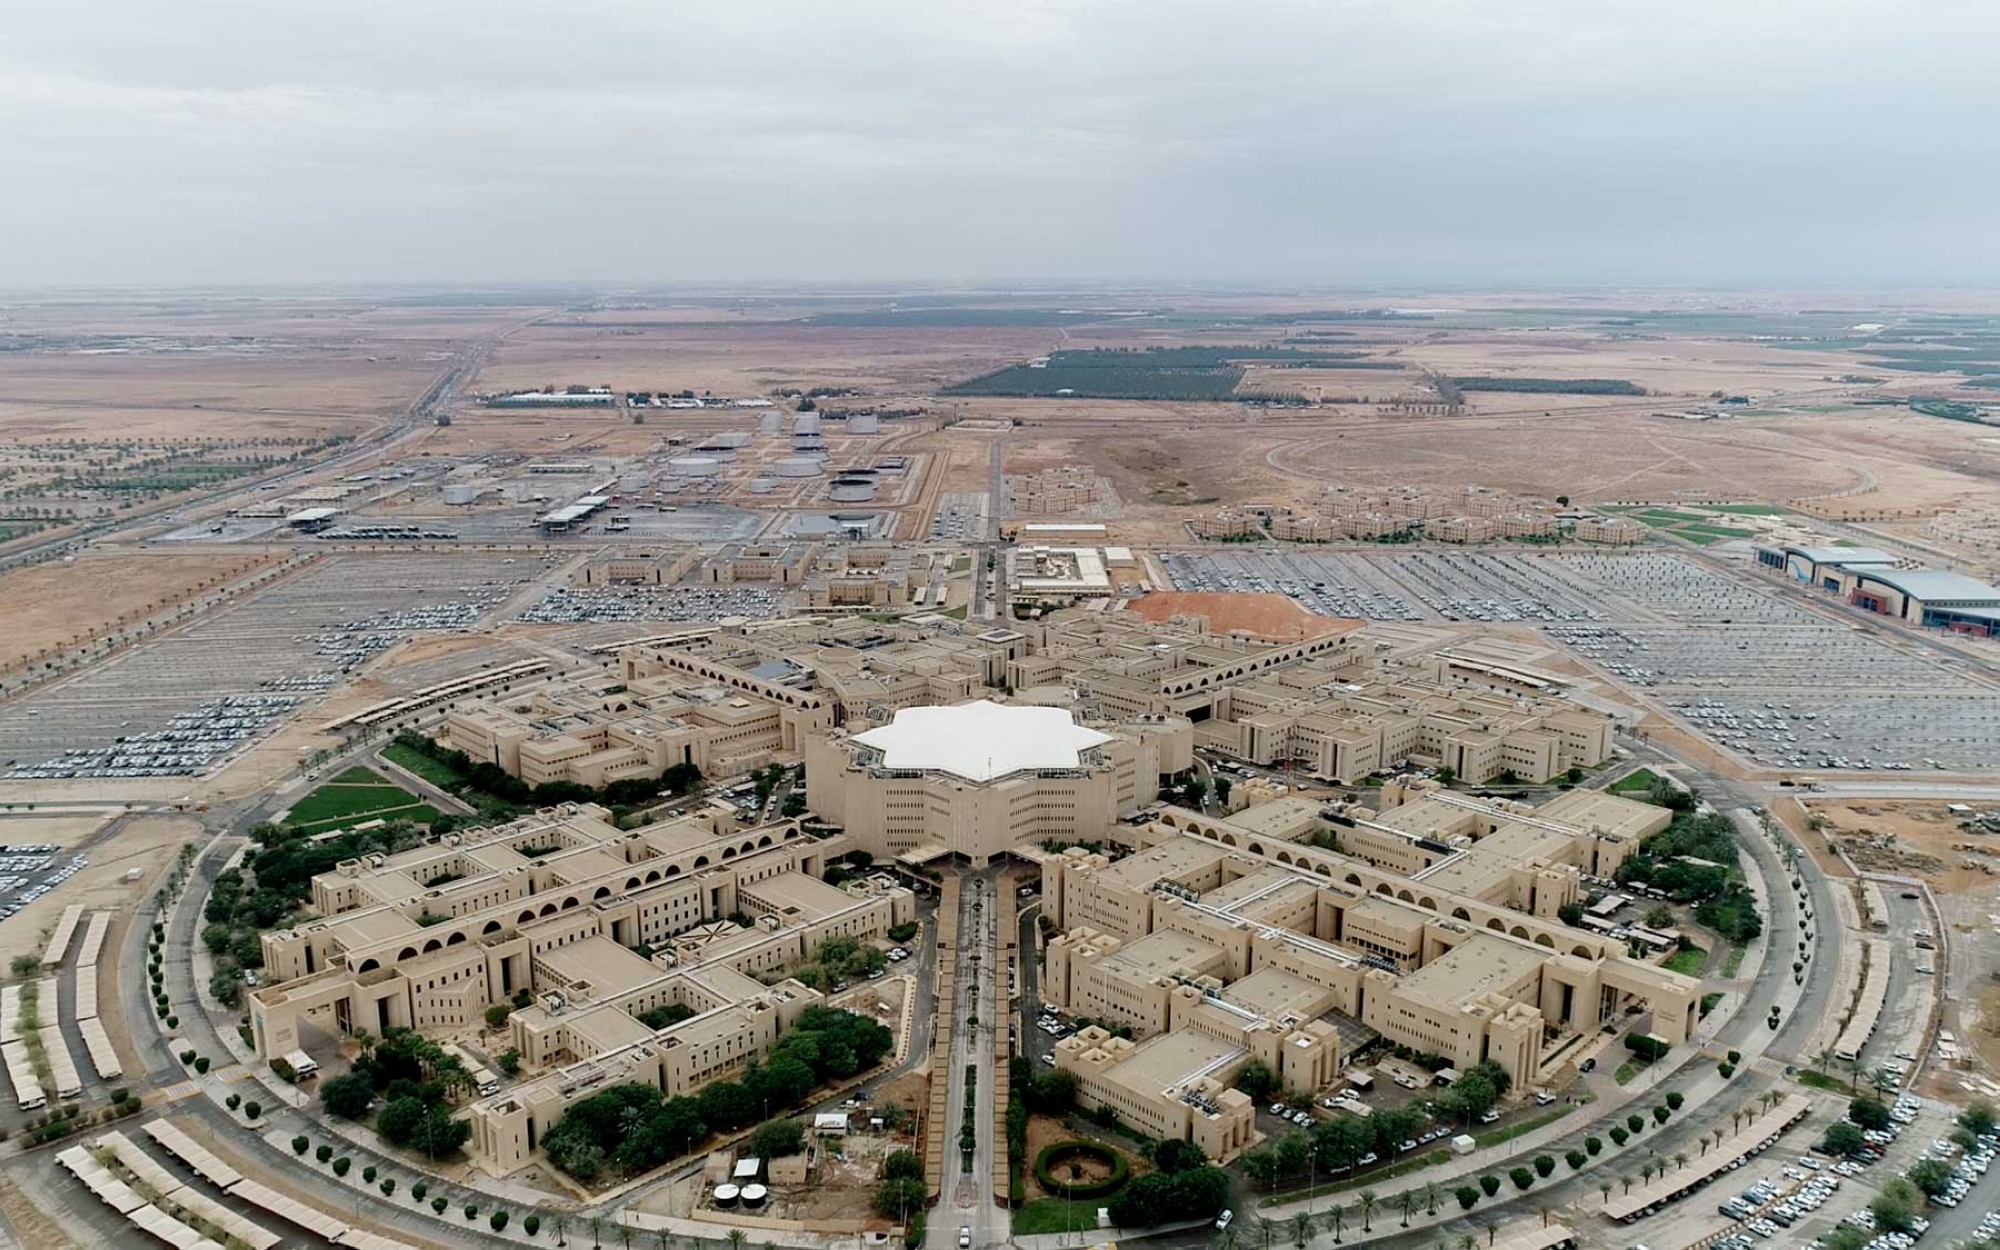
(1700, 538)
(1658, 522)
(1640, 780)
(1743, 509)
(1629, 1069)
(1054, 1215)
(1508, 1132)
(1688, 963)
(357, 794)
(1719, 531)
(433, 771)
(1664, 514)
(1733, 962)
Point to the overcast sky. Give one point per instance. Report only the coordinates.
(1725, 142)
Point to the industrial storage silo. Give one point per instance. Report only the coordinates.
(864, 423)
(796, 466)
(805, 423)
(763, 485)
(753, 1196)
(850, 489)
(772, 422)
(695, 466)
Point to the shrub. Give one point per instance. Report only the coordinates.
(531, 1224)
(439, 1203)
(388, 1186)
(1635, 1122)
(1675, 1099)
(1593, 1145)
(1062, 1152)
(1489, 1184)
(251, 1110)
(173, 1022)
(300, 1143)
(1619, 1135)
(497, 1014)
(1521, 1177)
(418, 1190)
(187, 1056)
(499, 1220)
(1660, 1114)
(323, 1153)
(341, 1165)
(368, 1174)
(201, 1065)
(233, 1101)
(1544, 1165)
(1467, 1196)
(471, 1212)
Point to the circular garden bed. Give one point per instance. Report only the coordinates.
(1080, 1169)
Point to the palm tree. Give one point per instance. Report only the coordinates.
(1881, 1081)
(1302, 1230)
(1266, 1226)
(736, 1239)
(596, 1233)
(1366, 1201)
(1822, 1058)
(1627, 1182)
(1408, 1200)
(1604, 1187)
(562, 1229)
(1545, 1214)
(1680, 1159)
(1430, 1197)
(1339, 1217)
(1229, 1240)
(1467, 1242)
(1736, 1120)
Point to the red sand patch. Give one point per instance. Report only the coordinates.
(1266, 616)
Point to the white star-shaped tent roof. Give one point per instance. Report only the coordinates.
(981, 741)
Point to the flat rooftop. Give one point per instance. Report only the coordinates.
(798, 897)
(1163, 953)
(1273, 992)
(1171, 1059)
(1482, 964)
(1176, 858)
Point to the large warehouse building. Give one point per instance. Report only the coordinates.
(1871, 580)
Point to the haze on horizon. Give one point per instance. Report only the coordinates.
(1548, 142)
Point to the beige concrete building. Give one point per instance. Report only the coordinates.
(979, 779)
(560, 905)
(1433, 922)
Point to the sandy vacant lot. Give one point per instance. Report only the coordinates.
(49, 604)
(1266, 616)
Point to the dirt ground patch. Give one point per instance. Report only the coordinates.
(1913, 838)
(51, 604)
(1277, 617)
(1045, 1131)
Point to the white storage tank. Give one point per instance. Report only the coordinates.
(459, 493)
(763, 485)
(695, 466)
(731, 438)
(772, 422)
(796, 466)
(753, 1196)
(864, 423)
(726, 1195)
(851, 490)
(805, 423)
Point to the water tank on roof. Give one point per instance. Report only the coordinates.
(753, 1196)
(726, 1195)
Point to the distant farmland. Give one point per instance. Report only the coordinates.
(1551, 386)
(1185, 373)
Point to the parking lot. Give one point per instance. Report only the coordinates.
(1532, 588)
(28, 872)
(963, 515)
(582, 605)
(1804, 696)
(220, 683)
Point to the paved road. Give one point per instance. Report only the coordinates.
(966, 1200)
